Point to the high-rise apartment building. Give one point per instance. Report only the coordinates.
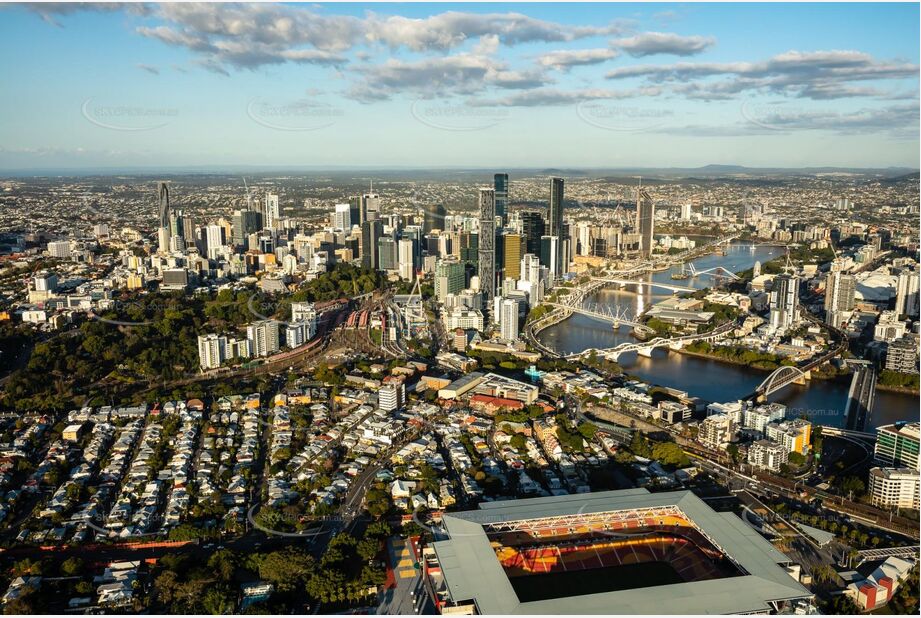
(486, 253)
(508, 319)
(646, 221)
(272, 211)
(907, 293)
(784, 301)
(839, 297)
(263, 337)
(212, 351)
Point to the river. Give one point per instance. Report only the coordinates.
(822, 401)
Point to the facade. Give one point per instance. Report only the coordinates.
(449, 278)
(897, 445)
(391, 396)
(486, 253)
(768, 455)
(757, 418)
(500, 184)
(272, 212)
(433, 218)
(839, 297)
(794, 435)
(784, 301)
(513, 250)
(533, 228)
(550, 255)
(371, 231)
(263, 337)
(461, 317)
(212, 351)
(907, 293)
(894, 488)
(646, 221)
(342, 217)
(508, 320)
(717, 431)
(555, 221)
(902, 355)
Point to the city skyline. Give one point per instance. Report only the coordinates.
(378, 85)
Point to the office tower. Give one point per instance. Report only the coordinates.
(272, 212)
(549, 254)
(686, 212)
(784, 300)
(646, 219)
(263, 337)
(371, 231)
(215, 239)
(177, 224)
(212, 351)
(839, 297)
(387, 248)
(508, 320)
(355, 211)
(533, 228)
(342, 217)
(513, 249)
(406, 259)
(500, 185)
(486, 253)
(897, 445)
(469, 247)
(907, 293)
(583, 239)
(433, 217)
(449, 278)
(245, 223)
(370, 206)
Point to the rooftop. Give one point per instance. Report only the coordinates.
(472, 571)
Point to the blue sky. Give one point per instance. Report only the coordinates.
(441, 85)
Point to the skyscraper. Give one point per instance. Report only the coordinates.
(508, 319)
(163, 196)
(163, 235)
(272, 211)
(486, 254)
(449, 278)
(501, 186)
(355, 210)
(433, 217)
(907, 293)
(532, 225)
(406, 259)
(784, 299)
(646, 220)
(839, 297)
(370, 235)
(513, 249)
(555, 218)
(245, 222)
(370, 206)
(550, 255)
(342, 217)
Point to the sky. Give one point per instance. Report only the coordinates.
(518, 85)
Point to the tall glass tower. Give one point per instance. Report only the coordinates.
(555, 218)
(501, 187)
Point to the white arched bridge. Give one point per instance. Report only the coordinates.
(614, 314)
(717, 272)
(645, 348)
(650, 284)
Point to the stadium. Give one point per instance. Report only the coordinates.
(615, 552)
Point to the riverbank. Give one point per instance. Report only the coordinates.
(814, 375)
(902, 390)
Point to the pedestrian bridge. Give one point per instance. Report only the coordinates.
(645, 348)
(649, 284)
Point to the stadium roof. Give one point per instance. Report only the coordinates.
(472, 571)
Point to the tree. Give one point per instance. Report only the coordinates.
(670, 454)
(72, 566)
(224, 563)
(288, 569)
(219, 600)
